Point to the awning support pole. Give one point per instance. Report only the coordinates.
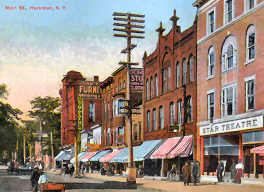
(162, 167)
(255, 166)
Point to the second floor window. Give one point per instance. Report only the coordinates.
(117, 104)
(251, 42)
(210, 105)
(147, 90)
(148, 121)
(230, 58)
(179, 106)
(172, 113)
(228, 101)
(191, 62)
(151, 87)
(161, 117)
(188, 109)
(169, 78)
(91, 112)
(250, 95)
(164, 81)
(229, 10)
(154, 119)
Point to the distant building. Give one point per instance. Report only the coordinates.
(114, 90)
(230, 82)
(81, 105)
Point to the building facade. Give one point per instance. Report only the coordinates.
(229, 82)
(81, 106)
(169, 101)
(114, 90)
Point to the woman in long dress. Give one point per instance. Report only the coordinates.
(239, 171)
(233, 171)
(186, 169)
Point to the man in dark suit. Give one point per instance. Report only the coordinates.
(220, 169)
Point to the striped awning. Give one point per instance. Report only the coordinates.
(144, 151)
(63, 156)
(259, 150)
(165, 148)
(122, 156)
(110, 156)
(99, 155)
(80, 156)
(88, 156)
(184, 148)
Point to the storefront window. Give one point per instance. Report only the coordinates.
(252, 137)
(214, 140)
(206, 141)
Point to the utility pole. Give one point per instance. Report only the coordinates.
(128, 25)
(30, 162)
(75, 129)
(184, 109)
(52, 151)
(24, 153)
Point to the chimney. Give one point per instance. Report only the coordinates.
(96, 78)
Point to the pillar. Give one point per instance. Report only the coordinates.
(202, 155)
(162, 167)
(241, 147)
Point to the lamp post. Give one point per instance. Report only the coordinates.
(128, 25)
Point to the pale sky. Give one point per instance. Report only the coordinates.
(38, 47)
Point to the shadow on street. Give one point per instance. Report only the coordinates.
(104, 185)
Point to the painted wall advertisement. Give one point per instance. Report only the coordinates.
(89, 89)
(136, 80)
(79, 122)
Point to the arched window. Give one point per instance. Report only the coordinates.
(124, 84)
(191, 63)
(230, 58)
(164, 80)
(172, 113)
(188, 109)
(147, 89)
(178, 74)
(151, 87)
(169, 78)
(91, 112)
(229, 53)
(184, 71)
(211, 62)
(161, 117)
(251, 43)
(120, 85)
(156, 86)
(148, 121)
(179, 107)
(154, 119)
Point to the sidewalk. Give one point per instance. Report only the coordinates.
(177, 186)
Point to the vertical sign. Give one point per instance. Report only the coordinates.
(79, 122)
(136, 80)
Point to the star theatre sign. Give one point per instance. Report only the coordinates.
(238, 125)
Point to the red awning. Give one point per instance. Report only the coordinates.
(88, 156)
(165, 148)
(184, 148)
(109, 156)
(259, 150)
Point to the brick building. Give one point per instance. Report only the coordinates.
(114, 89)
(230, 78)
(169, 72)
(81, 101)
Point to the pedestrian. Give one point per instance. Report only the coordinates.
(186, 169)
(34, 179)
(173, 170)
(195, 170)
(42, 179)
(233, 171)
(239, 171)
(87, 167)
(220, 169)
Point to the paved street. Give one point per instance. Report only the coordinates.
(96, 182)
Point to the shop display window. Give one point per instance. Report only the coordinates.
(253, 137)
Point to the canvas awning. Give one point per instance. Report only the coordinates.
(99, 155)
(88, 156)
(110, 156)
(122, 156)
(63, 156)
(259, 150)
(165, 148)
(184, 148)
(145, 150)
(80, 156)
